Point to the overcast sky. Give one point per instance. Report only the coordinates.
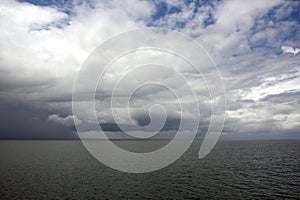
(44, 44)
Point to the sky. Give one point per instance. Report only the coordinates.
(44, 44)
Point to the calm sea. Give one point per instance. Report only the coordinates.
(233, 170)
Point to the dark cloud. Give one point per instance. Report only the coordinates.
(22, 121)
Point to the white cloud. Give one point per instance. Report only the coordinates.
(274, 85)
(52, 56)
(291, 50)
(68, 121)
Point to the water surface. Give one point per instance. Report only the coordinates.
(233, 170)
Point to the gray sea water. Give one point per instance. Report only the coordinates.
(233, 170)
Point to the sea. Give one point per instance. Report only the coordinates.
(64, 169)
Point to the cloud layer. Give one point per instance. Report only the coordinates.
(43, 47)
